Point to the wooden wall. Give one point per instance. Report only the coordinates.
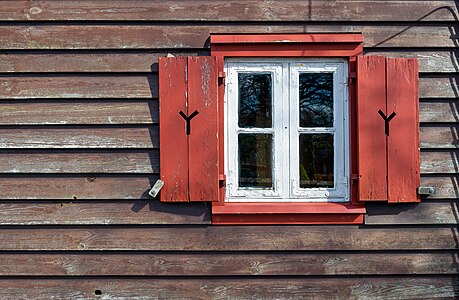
(79, 151)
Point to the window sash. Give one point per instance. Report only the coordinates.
(286, 130)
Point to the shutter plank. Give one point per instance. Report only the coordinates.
(203, 138)
(173, 139)
(371, 97)
(403, 140)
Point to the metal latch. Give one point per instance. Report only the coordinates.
(426, 191)
(156, 188)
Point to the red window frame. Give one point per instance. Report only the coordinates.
(343, 45)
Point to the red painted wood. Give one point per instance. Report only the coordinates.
(371, 97)
(403, 140)
(304, 219)
(173, 139)
(290, 208)
(203, 140)
(287, 50)
(288, 38)
(287, 45)
(354, 188)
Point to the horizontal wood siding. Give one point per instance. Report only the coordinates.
(79, 151)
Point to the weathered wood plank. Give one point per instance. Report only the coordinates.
(71, 86)
(144, 86)
(444, 287)
(439, 111)
(102, 213)
(43, 137)
(196, 36)
(435, 61)
(116, 187)
(318, 10)
(229, 238)
(217, 264)
(148, 162)
(64, 112)
(439, 136)
(147, 137)
(439, 87)
(79, 162)
(412, 214)
(447, 187)
(146, 112)
(50, 62)
(76, 187)
(440, 162)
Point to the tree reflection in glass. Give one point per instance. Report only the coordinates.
(255, 97)
(316, 99)
(255, 160)
(316, 160)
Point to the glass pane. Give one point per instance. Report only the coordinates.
(255, 93)
(255, 168)
(316, 160)
(316, 100)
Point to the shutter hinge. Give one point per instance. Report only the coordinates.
(222, 177)
(355, 177)
(221, 77)
(352, 77)
(222, 180)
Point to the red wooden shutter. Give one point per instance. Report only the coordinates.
(189, 155)
(388, 129)
(403, 174)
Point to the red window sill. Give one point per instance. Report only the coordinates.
(286, 213)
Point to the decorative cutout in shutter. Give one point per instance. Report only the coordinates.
(189, 148)
(388, 129)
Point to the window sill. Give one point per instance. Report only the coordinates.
(286, 213)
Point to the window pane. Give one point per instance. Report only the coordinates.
(316, 160)
(255, 168)
(255, 93)
(316, 99)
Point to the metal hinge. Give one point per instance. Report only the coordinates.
(352, 77)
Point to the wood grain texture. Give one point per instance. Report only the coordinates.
(58, 162)
(229, 238)
(82, 86)
(118, 187)
(228, 11)
(372, 150)
(434, 61)
(439, 87)
(403, 175)
(108, 61)
(65, 112)
(412, 214)
(439, 111)
(440, 162)
(50, 37)
(59, 112)
(86, 161)
(223, 264)
(90, 138)
(174, 158)
(203, 141)
(447, 187)
(76, 187)
(233, 288)
(445, 137)
(102, 213)
(144, 86)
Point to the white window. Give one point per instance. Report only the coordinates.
(287, 130)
